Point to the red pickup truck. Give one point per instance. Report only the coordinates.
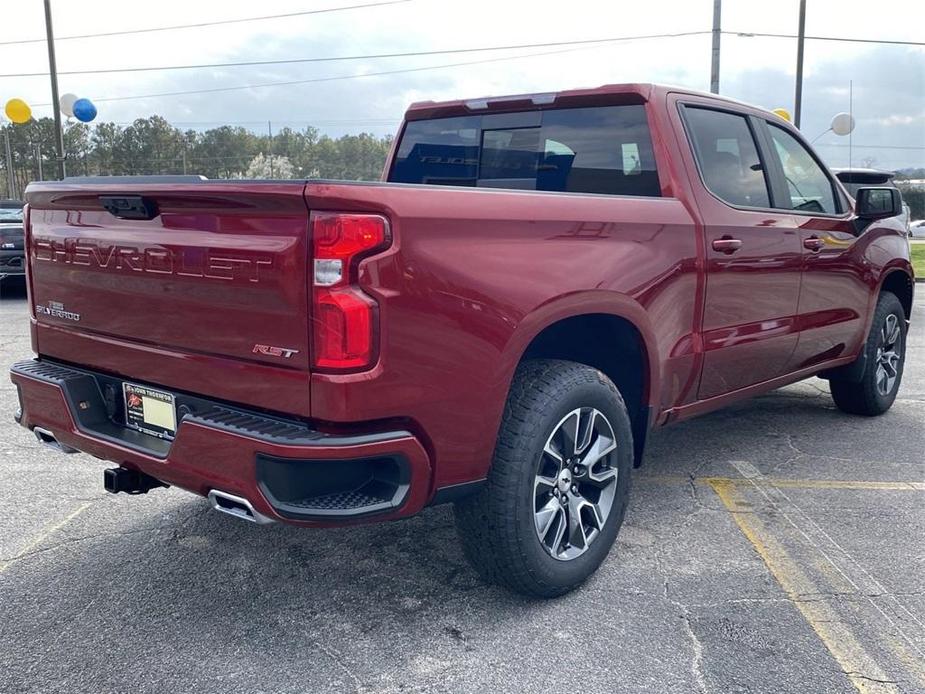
(537, 283)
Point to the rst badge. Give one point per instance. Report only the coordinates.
(56, 309)
(270, 351)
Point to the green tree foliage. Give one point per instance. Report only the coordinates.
(154, 146)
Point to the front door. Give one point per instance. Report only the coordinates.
(753, 255)
(834, 294)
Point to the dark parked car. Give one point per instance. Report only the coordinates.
(12, 253)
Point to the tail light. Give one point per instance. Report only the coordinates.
(344, 318)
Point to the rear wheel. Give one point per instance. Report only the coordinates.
(885, 352)
(557, 491)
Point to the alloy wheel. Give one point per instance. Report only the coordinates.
(575, 484)
(889, 351)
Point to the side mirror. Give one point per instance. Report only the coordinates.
(878, 203)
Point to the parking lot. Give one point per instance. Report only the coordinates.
(777, 545)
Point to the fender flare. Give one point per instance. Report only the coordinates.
(578, 304)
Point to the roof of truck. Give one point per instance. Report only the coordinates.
(634, 92)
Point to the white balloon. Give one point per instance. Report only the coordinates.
(842, 123)
(66, 102)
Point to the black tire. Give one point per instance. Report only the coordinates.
(498, 527)
(868, 396)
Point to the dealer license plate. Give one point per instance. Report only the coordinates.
(150, 411)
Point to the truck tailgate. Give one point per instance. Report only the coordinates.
(220, 270)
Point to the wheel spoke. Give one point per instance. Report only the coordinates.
(553, 452)
(586, 421)
(568, 430)
(890, 330)
(558, 535)
(543, 484)
(602, 478)
(595, 511)
(890, 361)
(576, 528)
(600, 447)
(546, 516)
(882, 380)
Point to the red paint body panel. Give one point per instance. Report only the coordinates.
(472, 276)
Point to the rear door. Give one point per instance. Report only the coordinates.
(753, 252)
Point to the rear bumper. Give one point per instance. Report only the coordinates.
(284, 468)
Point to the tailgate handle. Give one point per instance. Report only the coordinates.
(129, 206)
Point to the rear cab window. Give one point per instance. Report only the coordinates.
(605, 150)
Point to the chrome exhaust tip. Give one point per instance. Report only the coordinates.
(46, 438)
(237, 506)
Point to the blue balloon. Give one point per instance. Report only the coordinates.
(84, 110)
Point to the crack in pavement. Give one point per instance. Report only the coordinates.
(696, 665)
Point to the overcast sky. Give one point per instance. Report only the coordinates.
(888, 80)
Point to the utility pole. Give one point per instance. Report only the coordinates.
(714, 64)
(38, 159)
(798, 92)
(55, 105)
(10, 184)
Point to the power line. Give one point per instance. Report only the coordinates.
(842, 144)
(200, 25)
(328, 59)
(750, 34)
(330, 79)
(280, 121)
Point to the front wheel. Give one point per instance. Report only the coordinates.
(558, 487)
(885, 352)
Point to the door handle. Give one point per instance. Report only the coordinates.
(813, 243)
(727, 245)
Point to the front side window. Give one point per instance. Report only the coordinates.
(604, 150)
(808, 187)
(728, 157)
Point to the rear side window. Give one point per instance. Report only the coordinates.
(728, 157)
(809, 188)
(604, 150)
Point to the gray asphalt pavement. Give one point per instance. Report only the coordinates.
(773, 546)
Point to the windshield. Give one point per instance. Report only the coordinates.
(10, 215)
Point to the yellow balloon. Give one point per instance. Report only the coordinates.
(18, 111)
(783, 113)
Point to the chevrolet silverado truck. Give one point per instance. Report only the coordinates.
(537, 282)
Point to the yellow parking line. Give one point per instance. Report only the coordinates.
(792, 483)
(846, 484)
(860, 668)
(44, 535)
